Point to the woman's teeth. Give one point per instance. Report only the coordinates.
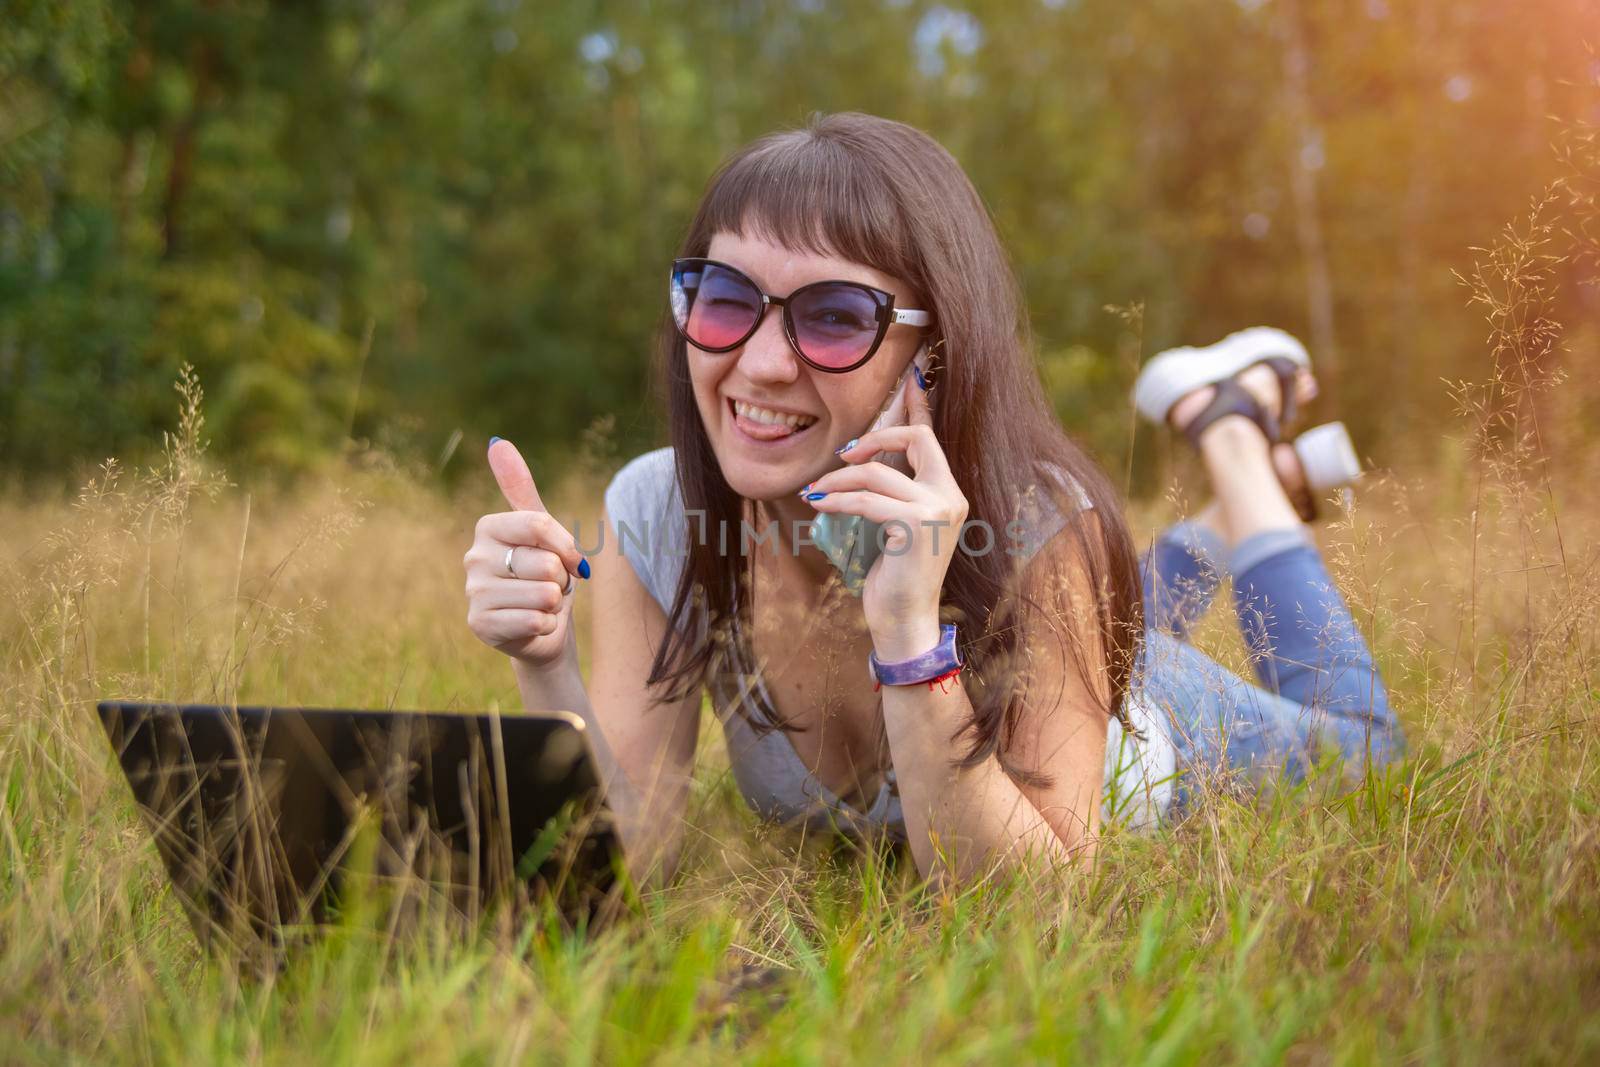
(771, 418)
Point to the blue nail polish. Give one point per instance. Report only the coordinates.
(583, 569)
(922, 383)
(804, 489)
(847, 446)
(815, 496)
(493, 441)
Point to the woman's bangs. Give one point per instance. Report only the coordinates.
(811, 195)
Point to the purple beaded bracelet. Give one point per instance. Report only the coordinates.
(942, 660)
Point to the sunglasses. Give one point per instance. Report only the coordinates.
(832, 326)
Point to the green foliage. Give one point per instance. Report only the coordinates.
(488, 191)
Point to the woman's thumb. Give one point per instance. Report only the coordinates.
(512, 473)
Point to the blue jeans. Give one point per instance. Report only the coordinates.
(1319, 689)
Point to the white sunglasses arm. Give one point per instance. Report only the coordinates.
(911, 318)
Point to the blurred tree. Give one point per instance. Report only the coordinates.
(398, 220)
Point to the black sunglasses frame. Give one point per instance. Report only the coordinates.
(887, 314)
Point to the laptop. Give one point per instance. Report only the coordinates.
(266, 817)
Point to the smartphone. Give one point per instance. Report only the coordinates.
(894, 412)
(851, 543)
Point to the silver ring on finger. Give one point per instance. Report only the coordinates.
(511, 570)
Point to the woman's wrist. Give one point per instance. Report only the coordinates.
(903, 639)
(552, 683)
(530, 671)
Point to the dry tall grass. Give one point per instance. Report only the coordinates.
(1448, 912)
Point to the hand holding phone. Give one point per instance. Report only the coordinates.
(851, 543)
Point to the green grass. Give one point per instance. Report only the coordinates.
(1445, 912)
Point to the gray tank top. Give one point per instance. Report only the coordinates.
(645, 507)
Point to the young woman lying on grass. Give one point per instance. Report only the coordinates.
(1021, 690)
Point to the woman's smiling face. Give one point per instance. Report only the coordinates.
(773, 421)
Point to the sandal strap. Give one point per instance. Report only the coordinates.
(1232, 399)
(1286, 369)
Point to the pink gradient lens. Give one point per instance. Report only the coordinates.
(714, 308)
(835, 325)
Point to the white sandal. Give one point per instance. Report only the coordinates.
(1327, 455)
(1172, 375)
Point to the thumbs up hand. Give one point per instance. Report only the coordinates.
(522, 569)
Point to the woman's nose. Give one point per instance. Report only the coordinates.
(767, 356)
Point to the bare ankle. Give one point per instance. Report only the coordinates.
(1232, 436)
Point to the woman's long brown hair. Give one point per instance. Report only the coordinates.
(886, 195)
